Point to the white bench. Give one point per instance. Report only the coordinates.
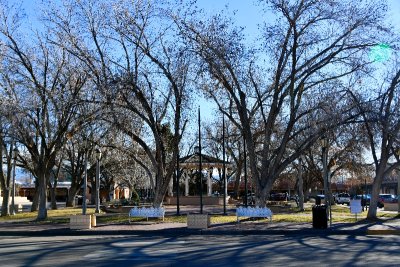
(253, 212)
(146, 212)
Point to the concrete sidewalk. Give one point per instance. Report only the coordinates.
(245, 227)
(248, 227)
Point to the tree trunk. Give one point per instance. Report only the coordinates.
(263, 190)
(93, 192)
(236, 187)
(301, 190)
(160, 192)
(71, 196)
(261, 197)
(5, 208)
(35, 200)
(70, 201)
(53, 194)
(376, 187)
(53, 197)
(42, 190)
(158, 199)
(131, 188)
(238, 173)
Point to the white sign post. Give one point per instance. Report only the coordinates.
(355, 206)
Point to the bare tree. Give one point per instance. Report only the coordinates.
(7, 146)
(312, 46)
(50, 78)
(139, 67)
(382, 127)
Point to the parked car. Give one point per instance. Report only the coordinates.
(343, 198)
(386, 198)
(278, 196)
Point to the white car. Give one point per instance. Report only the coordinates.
(343, 198)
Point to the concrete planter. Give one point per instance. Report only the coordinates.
(391, 206)
(198, 221)
(81, 222)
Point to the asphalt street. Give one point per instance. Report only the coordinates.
(198, 250)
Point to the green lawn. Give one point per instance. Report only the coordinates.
(56, 216)
(339, 214)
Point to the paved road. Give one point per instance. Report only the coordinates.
(197, 250)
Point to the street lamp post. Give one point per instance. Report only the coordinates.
(15, 155)
(398, 193)
(200, 167)
(245, 172)
(84, 181)
(324, 145)
(177, 183)
(223, 158)
(98, 157)
(398, 185)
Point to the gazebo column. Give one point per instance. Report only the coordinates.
(209, 184)
(186, 184)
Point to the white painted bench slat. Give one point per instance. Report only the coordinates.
(253, 212)
(146, 212)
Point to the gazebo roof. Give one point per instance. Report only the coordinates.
(192, 161)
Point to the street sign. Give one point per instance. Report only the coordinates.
(355, 206)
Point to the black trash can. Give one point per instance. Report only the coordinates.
(319, 217)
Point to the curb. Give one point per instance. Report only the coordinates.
(188, 232)
(383, 232)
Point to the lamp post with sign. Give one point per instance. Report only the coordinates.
(324, 145)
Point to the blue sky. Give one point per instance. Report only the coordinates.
(394, 13)
(248, 13)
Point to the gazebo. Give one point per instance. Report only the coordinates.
(190, 164)
(189, 167)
